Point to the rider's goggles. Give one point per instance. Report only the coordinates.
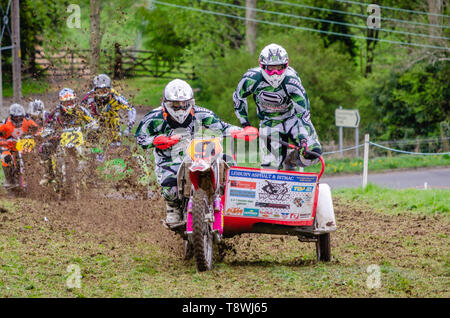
(17, 119)
(102, 91)
(68, 104)
(179, 105)
(274, 69)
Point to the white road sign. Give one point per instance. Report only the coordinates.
(347, 118)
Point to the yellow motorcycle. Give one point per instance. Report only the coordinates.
(68, 163)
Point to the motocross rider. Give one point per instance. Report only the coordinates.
(282, 107)
(67, 114)
(37, 112)
(105, 103)
(162, 127)
(15, 126)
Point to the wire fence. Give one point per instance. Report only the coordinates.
(424, 147)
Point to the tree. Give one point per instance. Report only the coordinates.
(250, 26)
(96, 35)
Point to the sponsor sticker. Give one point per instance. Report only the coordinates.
(298, 188)
(242, 193)
(243, 184)
(251, 212)
(274, 191)
(272, 205)
(234, 211)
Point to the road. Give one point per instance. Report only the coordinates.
(434, 177)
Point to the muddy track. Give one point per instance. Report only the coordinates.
(374, 236)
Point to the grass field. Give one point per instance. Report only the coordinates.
(427, 202)
(121, 249)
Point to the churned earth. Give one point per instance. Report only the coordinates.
(120, 249)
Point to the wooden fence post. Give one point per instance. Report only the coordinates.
(118, 62)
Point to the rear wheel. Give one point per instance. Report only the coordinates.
(323, 247)
(202, 238)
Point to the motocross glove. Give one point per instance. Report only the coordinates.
(304, 151)
(164, 142)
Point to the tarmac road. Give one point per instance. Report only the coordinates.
(434, 177)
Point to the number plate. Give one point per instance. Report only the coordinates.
(71, 139)
(205, 149)
(25, 145)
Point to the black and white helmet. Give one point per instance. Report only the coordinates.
(274, 61)
(178, 100)
(102, 85)
(36, 108)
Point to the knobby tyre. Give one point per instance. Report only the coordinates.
(201, 237)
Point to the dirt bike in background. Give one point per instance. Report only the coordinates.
(22, 152)
(65, 161)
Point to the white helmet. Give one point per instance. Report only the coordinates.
(17, 114)
(274, 61)
(16, 110)
(178, 100)
(102, 85)
(36, 107)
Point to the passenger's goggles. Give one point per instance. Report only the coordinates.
(274, 69)
(179, 105)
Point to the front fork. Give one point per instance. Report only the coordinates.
(215, 218)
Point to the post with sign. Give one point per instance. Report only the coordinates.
(347, 118)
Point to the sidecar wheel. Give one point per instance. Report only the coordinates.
(323, 248)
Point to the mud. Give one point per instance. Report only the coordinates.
(372, 236)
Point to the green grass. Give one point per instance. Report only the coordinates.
(28, 87)
(432, 201)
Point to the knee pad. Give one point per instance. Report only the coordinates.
(6, 158)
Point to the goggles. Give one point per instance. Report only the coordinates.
(102, 91)
(274, 69)
(68, 103)
(179, 105)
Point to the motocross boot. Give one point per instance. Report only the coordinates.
(173, 216)
(10, 181)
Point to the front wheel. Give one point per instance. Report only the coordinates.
(202, 237)
(323, 247)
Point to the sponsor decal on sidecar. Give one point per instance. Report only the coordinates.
(272, 205)
(243, 184)
(251, 212)
(233, 211)
(298, 188)
(277, 195)
(242, 193)
(240, 202)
